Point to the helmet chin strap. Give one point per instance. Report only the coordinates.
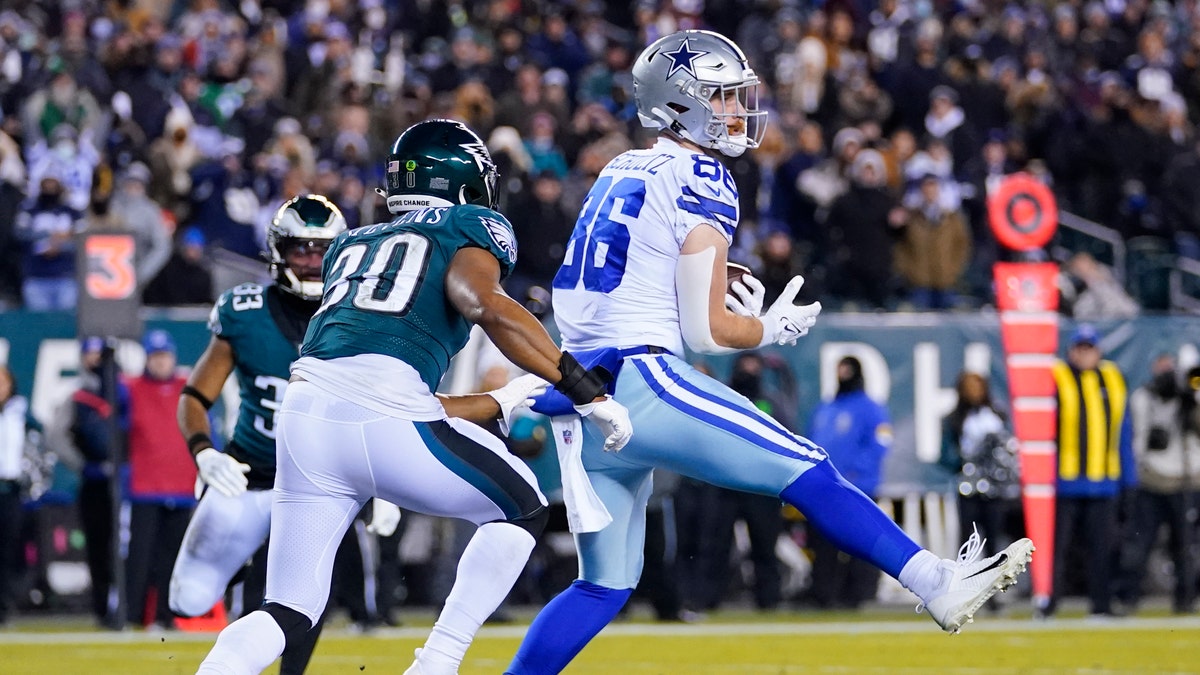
(308, 290)
(730, 149)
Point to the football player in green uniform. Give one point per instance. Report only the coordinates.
(257, 332)
(360, 418)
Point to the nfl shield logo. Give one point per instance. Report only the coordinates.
(567, 436)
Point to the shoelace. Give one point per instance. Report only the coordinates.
(972, 548)
(969, 552)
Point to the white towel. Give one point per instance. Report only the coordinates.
(585, 511)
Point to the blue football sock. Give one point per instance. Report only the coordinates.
(849, 519)
(564, 626)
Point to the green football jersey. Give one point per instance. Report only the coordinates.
(385, 287)
(263, 356)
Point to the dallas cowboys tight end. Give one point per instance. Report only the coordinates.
(643, 274)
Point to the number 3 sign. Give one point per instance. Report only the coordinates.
(108, 300)
(110, 273)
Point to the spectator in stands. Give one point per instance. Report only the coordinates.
(12, 183)
(912, 80)
(1181, 201)
(290, 144)
(172, 158)
(60, 102)
(261, 110)
(543, 226)
(947, 121)
(1166, 442)
(856, 431)
(162, 478)
(542, 146)
(558, 45)
(185, 279)
(828, 180)
(130, 210)
(224, 205)
(1090, 293)
(48, 226)
(1095, 466)
(18, 429)
(600, 82)
(933, 248)
(516, 107)
(811, 90)
(978, 448)
(861, 100)
(862, 238)
(69, 156)
(97, 431)
(790, 206)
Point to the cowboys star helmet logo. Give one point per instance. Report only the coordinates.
(682, 59)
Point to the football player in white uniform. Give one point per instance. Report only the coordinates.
(257, 332)
(643, 274)
(360, 419)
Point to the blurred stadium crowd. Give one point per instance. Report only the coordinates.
(189, 122)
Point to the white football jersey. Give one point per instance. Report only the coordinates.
(616, 287)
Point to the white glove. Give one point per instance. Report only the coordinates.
(222, 472)
(613, 420)
(747, 296)
(385, 517)
(785, 321)
(515, 394)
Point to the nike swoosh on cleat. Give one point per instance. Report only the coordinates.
(999, 561)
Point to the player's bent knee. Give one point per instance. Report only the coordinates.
(533, 522)
(292, 623)
(188, 600)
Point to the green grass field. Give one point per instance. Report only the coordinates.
(728, 643)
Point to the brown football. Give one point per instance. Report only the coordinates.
(734, 272)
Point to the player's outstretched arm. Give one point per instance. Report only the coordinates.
(708, 326)
(496, 404)
(203, 387)
(220, 471)
(707, 323)
(473, 287)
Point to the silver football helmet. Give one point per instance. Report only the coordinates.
(309, 221)
(677, 79)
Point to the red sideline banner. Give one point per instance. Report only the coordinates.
(1027, 296)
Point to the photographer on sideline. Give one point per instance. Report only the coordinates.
(1166, 442)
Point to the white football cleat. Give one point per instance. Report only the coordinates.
(968, 582)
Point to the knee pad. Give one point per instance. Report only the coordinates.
(534, 522)
(293, 624)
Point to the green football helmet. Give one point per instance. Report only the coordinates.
(308, 221)
(439, 163)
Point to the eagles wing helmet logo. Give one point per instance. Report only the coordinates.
(479, 152)
(502, 234)
(682, 59)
